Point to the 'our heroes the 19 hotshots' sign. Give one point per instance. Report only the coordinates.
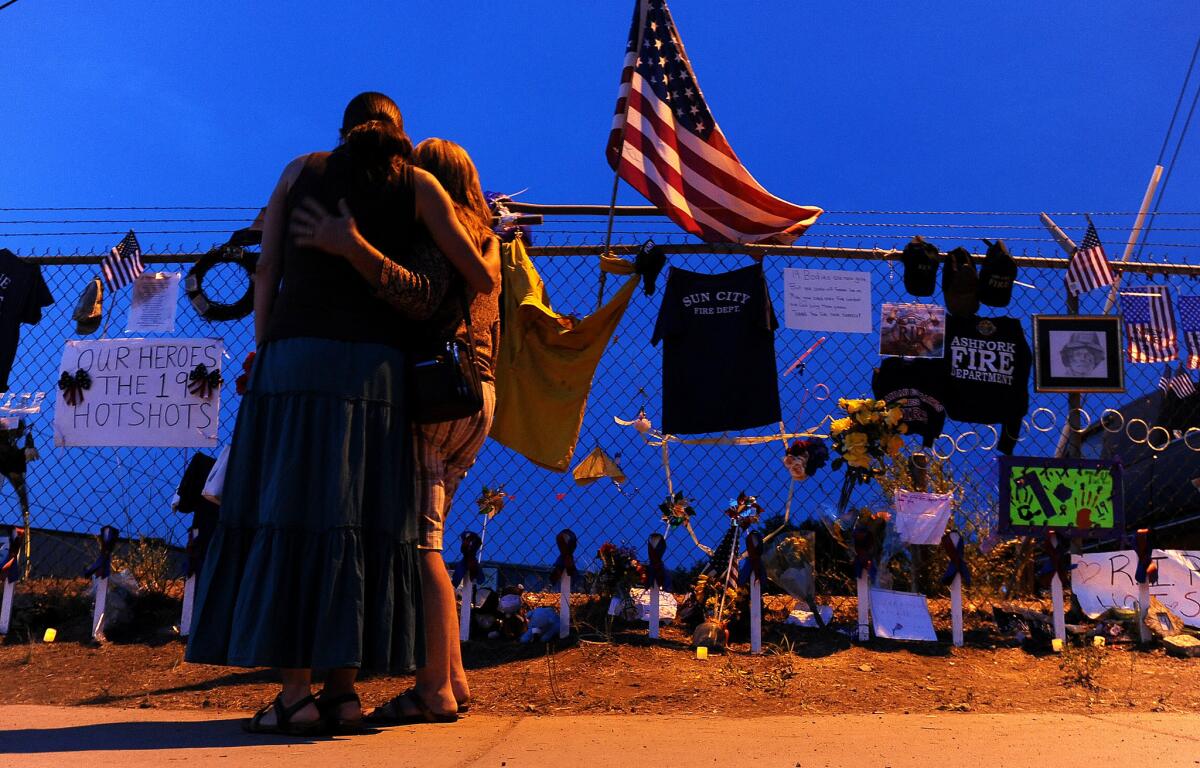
(161, 393)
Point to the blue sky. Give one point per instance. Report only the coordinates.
(937, 106)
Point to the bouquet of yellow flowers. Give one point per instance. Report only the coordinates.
(868, 433)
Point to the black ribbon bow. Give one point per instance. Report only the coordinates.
(1058, 557)
(8, 569)
(565, 563)
(656, 571)
(1147, 568)
(73, 386)
(754, 560)
(102, 568)
(469, 562)
(864, 542)
(196, 545)
(957, 566)
(203, 382)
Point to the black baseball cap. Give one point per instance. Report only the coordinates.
(997, 275)
(920, 267)
(960, 283)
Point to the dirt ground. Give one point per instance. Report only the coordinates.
(801, 672)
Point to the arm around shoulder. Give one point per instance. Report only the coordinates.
(435, 209)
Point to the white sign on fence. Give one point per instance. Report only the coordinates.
(827, 300)
(139, 394)
(1106, 580)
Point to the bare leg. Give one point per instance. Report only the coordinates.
(339, 681)
(297, 683)
(442, 682)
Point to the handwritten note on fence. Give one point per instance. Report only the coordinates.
(827, 300)
(1105, 580)
(138, 393)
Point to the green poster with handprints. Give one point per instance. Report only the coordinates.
(1038, 493)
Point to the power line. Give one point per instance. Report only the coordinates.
(10, 2)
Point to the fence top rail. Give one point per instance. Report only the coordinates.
(806, 251)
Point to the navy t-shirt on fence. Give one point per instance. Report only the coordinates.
(23, 293)
(718, 334)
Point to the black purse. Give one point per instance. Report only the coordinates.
(444, 385)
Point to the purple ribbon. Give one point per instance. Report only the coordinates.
(864, 542)
(1058, 557)
(565, 563)
(957, 566)
(468, 564)
(203, 382)
(73, 386)
(1147, 569)
(754, 560)
(103, 565)
(656, 571)
(9, 570)
(195, 552)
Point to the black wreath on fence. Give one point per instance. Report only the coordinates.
(215, 311)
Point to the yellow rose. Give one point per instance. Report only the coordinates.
(864, 417)
(843, 403)
(894, 415)
(893, 444)
(840, 425)
(902, 429)
(856, 440)
(880, 405)
(861, 461)
(853, 406)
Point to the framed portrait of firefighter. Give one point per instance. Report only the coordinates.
(1078, 353)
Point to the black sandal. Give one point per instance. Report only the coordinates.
(328, 705)
(397, 717)
(283, 719)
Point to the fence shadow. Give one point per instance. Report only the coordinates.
(147, 735)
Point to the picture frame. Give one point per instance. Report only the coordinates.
(1039, 494)
(1078, 353)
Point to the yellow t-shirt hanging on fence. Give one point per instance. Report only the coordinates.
(547, 361)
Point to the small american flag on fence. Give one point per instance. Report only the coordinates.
(1149, 325)
(1164, 381)
(1189, 323)
(123, 264)
(1181, 383)
(1088, 268)
(665, 143)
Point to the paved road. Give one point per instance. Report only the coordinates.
(93, 737)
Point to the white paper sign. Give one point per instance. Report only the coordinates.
(155, 299)
(827, 300)
(139, 394)
(667, 604)
(1106, 580)
(901, 615)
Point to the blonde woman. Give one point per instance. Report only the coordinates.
(443, 452)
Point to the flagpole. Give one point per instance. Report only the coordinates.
(612, 205)
(1151, 188)
(1134, 234)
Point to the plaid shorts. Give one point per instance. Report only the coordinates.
(442, 454)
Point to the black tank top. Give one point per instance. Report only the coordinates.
(321, 295)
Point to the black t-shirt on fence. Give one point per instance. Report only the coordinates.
(718, 334)
(23, 293)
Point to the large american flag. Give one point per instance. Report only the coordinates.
(1088, 268)
(1189, 323)
(1149, 325)
(1181, 383)
(665, 143)
(123, 264)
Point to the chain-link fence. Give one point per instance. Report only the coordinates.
(77, 490)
